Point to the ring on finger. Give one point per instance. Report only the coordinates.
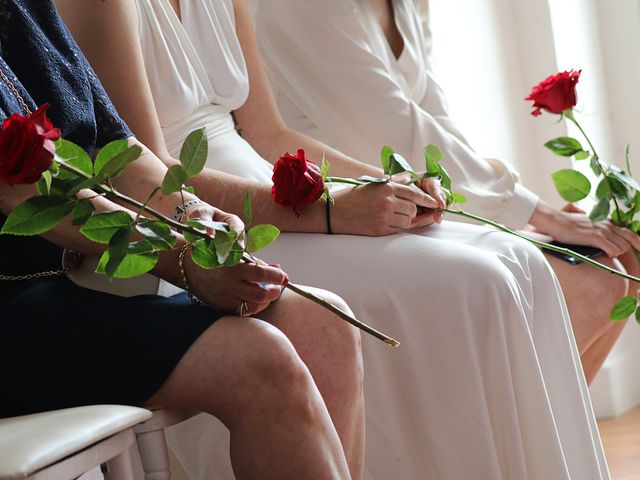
(243, 308)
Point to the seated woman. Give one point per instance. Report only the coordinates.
(487, 382)
(381, 89)
(267, 376)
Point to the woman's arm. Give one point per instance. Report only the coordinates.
(107, 31)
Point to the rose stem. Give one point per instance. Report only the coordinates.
(546, 246)
(180, 226)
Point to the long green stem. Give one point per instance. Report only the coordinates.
(350, 181)
(332, 308)
(111, 192)
(605, 170)
(544, 245)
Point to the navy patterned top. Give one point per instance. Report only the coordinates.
(40, 57)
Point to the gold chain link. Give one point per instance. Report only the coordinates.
(32, 276)
(15, 91)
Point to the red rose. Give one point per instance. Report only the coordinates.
(297, 182)
(555, 94)
(26, 147)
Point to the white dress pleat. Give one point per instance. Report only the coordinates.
(487, 383)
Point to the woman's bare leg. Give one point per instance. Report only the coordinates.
(330, 347)
(248, 374)
(590, 295)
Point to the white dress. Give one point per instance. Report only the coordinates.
(487, 383)
(335, 78)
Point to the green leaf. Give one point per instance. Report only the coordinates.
(261, 236)
(118, 247)
(247, 209)
(571, 184)
(622, 218)
(86, 183)
(624, 178)
(564, 146)
(325, 167)
(193, 154)
(445, 178)
(158, 234)
(432, 156)
(71, 153)
(82, 211)
(235, 256)
(603, 190)
(370, 179)
(174, 179)
(208, 224)
(102, 226)
(583, 155)
(223, 243)
(385, 157)
(458, 198)
(37, 215)
(109, 151)
(189, 189)
(637, 315)
(635, 226)
(627, 160)
(44, 184)
(140, 259)
(601, 210)
(624, 308)
(434, 152)
(399, 165)
(595, 166)
(203, 253)
(122, 160)
(191, 237)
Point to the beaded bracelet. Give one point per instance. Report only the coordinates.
(183, 273)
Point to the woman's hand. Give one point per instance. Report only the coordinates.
(245, 289)
(380, 209)
(571, 225)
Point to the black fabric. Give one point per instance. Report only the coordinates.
(43, 59)
(63, 346)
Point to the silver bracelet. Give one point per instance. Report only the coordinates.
(183, 207)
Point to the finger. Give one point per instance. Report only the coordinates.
(249, 309)
(632, 238)
(250, 272)
(603, 242)
(571, 208)
(230, 219)
(255, 293)
(415, 195)
(434, 189)
(399, 221)
(438, 216)
(405, 207)
(424, 220)
(619, 240)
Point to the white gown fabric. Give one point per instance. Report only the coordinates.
(487, 383)
(335, 78)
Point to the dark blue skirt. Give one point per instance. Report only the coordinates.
(62, 345)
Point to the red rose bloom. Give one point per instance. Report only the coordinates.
(297, 182)
(556, 93)
(26, 147)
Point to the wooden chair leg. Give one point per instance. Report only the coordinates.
(119, 467)
(154, 455)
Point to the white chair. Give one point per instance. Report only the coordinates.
(64, 444)
(152, 444)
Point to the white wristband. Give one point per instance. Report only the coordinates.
(183, 207)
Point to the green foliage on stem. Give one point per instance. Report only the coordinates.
(624, 308)
(109, 151)
(565, 146)
(38, 215)
(82, 211)
(248, 214)
(116, 165)
(174, 179)
(260, 237)
(68, 152)
(158, 234)
(140, 259)
(572, 185)
(393, 163)
(100, 227)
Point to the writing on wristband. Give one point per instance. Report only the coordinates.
(183, 207)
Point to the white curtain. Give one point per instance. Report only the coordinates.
(489, 53)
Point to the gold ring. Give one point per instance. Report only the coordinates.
(243, 308)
